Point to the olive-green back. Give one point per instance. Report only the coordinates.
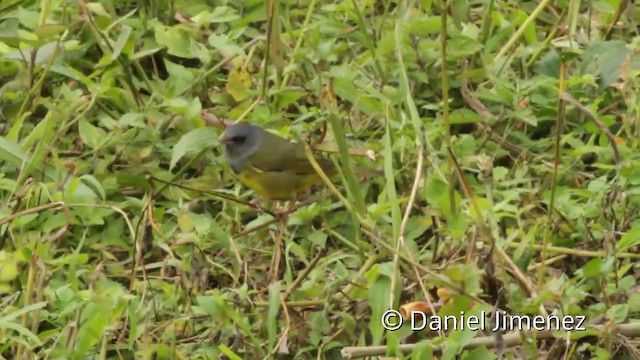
(278, 154)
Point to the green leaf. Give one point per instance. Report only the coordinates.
(179, 42)
(634, 302)
(180, 79)
(457, 338)
(318, 238)
(481, 353)
(95, 185)
(618, 313)
(123, 38)
(228, 352)
(47, 31)
(630, 239)
(379, 301)
(12, 153)
(548, 65)
(20, 330)
(18, 313)
(188, 108)
(602, 6)
(220, 14)
(93, 324)
(464, 116)
(462, 46)
(272, 317)
(71, 73)
(223, 43)
(592, 268)
(605, 58)
(43, 54)
(133, 119)
(422, 350)
(28, 19)
(196, 140)
(91, 136)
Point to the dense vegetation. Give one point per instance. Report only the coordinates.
(506, 134)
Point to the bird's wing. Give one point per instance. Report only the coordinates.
(280, 155)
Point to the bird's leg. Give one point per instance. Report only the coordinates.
(292, 205)
(278, 212)
(283, 213)
(256, 202)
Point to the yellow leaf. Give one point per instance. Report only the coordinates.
(96, 9)
(238, 84)
(185, 222)
(145, 152)
(4, 288)
(8, 267)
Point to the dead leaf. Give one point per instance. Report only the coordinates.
(352, 151)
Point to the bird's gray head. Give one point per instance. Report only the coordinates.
(240, 141)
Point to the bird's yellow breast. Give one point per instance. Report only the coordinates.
(276, 185)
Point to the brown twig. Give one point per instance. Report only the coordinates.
(213, 193)
(435, 277)
(621, 7)
(575, 252)
(304, 273)
(214, 120)
(277, 257)
(506, 263)
(616, 153)
(509, 339)
(283, 337)
(478, 107)
(402, 244)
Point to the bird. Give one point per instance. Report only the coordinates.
(272, 166)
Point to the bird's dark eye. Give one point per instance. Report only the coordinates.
(239, 139)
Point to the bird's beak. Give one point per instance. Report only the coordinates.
(224, 140)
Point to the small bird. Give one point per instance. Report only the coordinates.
(274, 167)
